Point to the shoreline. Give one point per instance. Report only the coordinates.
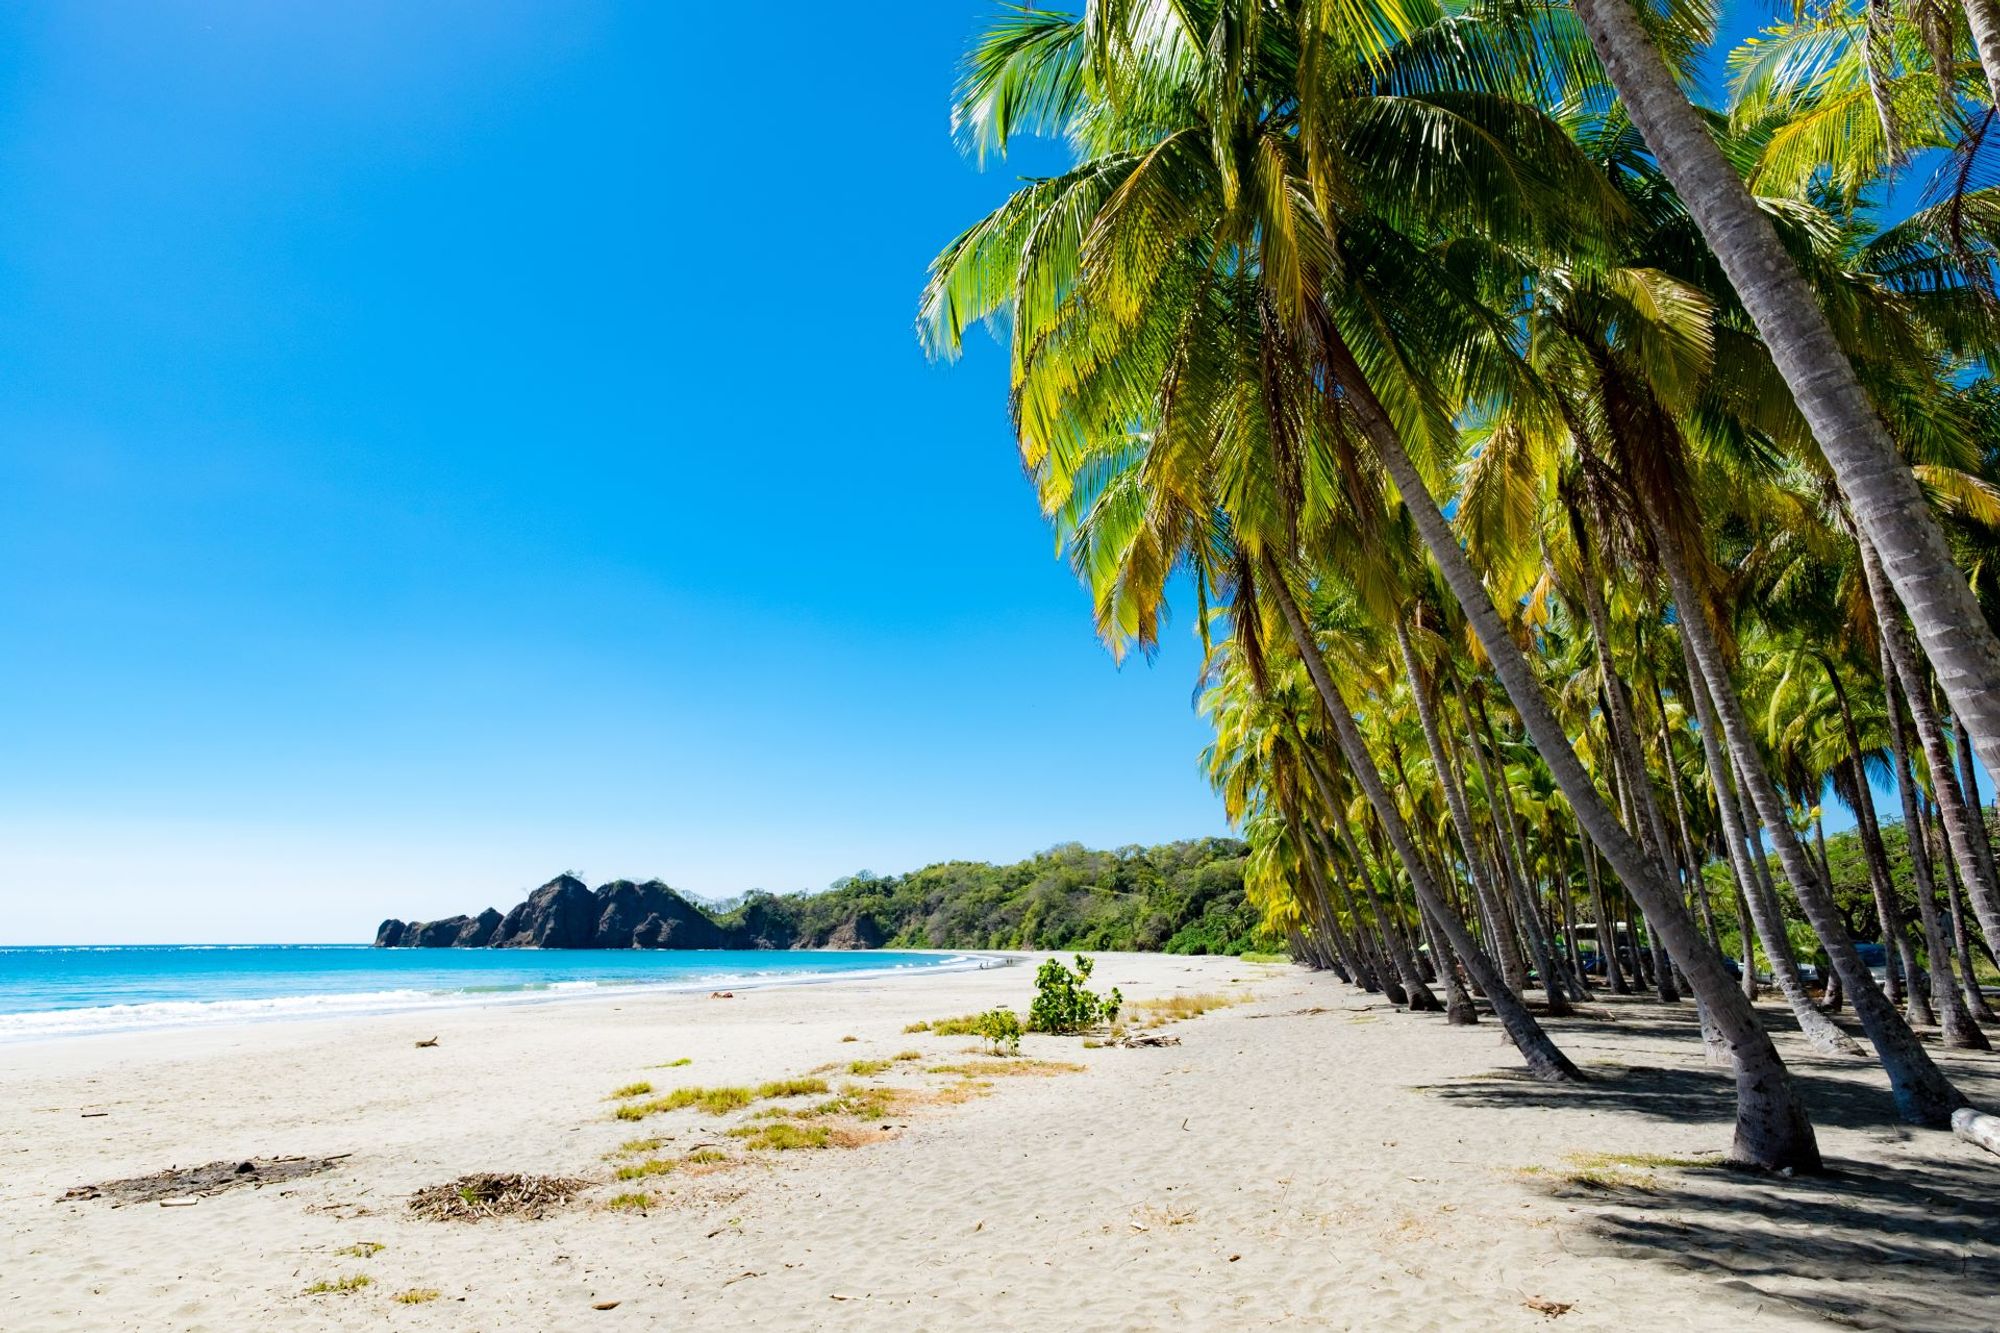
(1304, 1157)
(36, 1026)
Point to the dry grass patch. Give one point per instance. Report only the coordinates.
(863, 1068)
(637, 1201)
(639, 1089)
(652, 1166)
(1008, 1068)
(1174, 1008)
(782, 1136)
(674, 1064)
(903, 1056)
(416, 1296)
(361, 1249)
(715, 1101)
(965, 1025)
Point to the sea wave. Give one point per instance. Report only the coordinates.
(90, 1020)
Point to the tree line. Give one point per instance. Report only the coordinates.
(1183, 897)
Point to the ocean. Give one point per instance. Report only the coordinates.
(74, 990)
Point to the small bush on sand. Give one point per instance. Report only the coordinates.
(1064, 1004)
(416, 1296)
(1000, 1029)
(340, 1286)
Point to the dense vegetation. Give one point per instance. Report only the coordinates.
(1574, 483)
(1184, 897)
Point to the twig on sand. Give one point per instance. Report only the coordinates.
(429, 1041)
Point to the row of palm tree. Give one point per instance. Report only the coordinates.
(1571, 486)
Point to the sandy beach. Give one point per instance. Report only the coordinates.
(1304, 1157)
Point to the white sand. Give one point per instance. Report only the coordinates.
(1303, 1159)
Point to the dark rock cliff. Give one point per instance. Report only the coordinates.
(563, 914)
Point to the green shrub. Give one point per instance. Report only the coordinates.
(1000, 1029)
(1063, 1004)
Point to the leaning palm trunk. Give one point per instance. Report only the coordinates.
(1961, 948)
(1514, 850)
(1879, 487)
(1968, 786)
(1982, 17)
(1772, 1130)
(1416, 994)
(1897, 649)
(1861, 799)
(1764, 914)
(1923, 1094)
(1461, 815)
(1545, 1060)
(1956, 1025)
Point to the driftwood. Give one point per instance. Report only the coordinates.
(431, 1041)
(487, 1194)
(1148, 1039)
(188, 1182)
(1977, 1127)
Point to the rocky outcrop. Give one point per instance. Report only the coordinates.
(563, 914)
(857, 932)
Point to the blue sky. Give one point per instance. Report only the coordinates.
(446, 444)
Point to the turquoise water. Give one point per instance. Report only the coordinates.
(48, 992)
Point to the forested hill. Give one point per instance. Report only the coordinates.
(1184, 897)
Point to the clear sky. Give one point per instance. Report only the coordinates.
(445, 444)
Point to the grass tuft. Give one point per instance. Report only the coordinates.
(639, 1089)
(637, 1147)
(901, 1056)
(361, 1249)
(340, 1286)
(652, 1166)
(781, 1136)
(863, 1068)
(416, 1296)
(636, 1202)
(790, 1087)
